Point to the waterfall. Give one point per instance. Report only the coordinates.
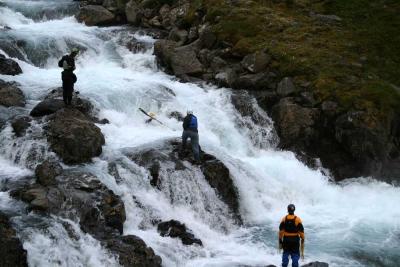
(353, 223)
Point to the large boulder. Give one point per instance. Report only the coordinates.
(12, 252)
(11, 95)
(82, 197)
(177, 229)
(294, 123)
(168, 155)
(256, 62)
(94, 15)
(133, 12)
(9, 66)
(286, 87)
(20, 125)
(133, 252)
(73, 137)
(180, 60)
(258, 81)
(47, 107)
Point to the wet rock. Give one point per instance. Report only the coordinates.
(94, 15)
(294, 123)
(47, 171)
(133, 252)
(11, 95)
(176, 229)
(316, 264)
(168, 153)
(218, 176)
(20, 125)
(12, 252)
(9, 66)
(47, 107)
(74, 138)
(256, 62)
(53, 102)
(226, 78)
(286, 87)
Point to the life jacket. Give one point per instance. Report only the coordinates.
(193, 122)
(291, 227)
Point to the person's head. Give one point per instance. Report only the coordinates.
(291, 208)
(189, 112)
(152, 114)
(74, 52)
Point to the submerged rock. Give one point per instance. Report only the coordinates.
(316, 264)
(20, 125)
(73, 137)
(12, 252)
(11, 95)
(177, 229)
(9, 66)
(47, 171)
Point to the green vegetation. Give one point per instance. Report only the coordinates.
(355, 62)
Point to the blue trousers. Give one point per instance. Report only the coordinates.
(295, 258)
(194, 140)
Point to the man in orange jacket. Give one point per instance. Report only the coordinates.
(291, 231)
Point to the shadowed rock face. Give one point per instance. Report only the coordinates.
(176, 229)
(73, 137)
(11, 251)
(93, 15)
(11, 95)
(214, 171)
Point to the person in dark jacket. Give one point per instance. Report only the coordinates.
(68, 77)
(67, 62)
(190, 130)
(68, 81)
(291, 231)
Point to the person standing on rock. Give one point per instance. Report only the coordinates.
(291, 231)
(190, 130)
(68, 77)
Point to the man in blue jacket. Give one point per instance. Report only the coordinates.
(190, 126)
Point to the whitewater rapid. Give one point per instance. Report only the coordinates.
(354, 223)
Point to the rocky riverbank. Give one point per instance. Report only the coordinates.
(348, 121)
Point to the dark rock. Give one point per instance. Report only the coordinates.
(168, 153)
(47, 171)
(133, 252)
(259, 81)
(178, 36)
(47, 107)
(11, 95)
(294, 123)
(176, 229)
(286, 87)
(316, 264)
(329, 108)
(53, 102)
(256, 62)
(207, 37)
(9, 66)
(12, 252)
(20, 124)
(218, 176)
(94, 15)
(180, 60)
(74, 138)
(136, 46)
(226, 78)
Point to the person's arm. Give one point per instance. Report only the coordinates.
(281, 232)
(186, 122)
(300, 228)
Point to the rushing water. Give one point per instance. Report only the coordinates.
(354, 223)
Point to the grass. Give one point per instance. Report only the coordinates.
(355, 63)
